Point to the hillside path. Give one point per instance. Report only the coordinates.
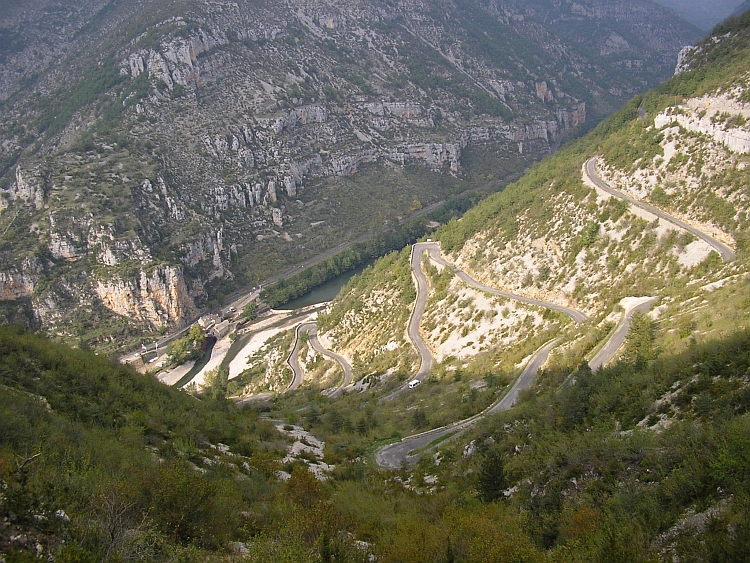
(617, 339)
(434, 251)
(293, 360)
(393, 456)
(589, 170)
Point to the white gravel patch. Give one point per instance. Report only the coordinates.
(256, 342)
(500, 329)
(217, 356)
(721, 283)
(656, 313)
(306, 442)
(172, 376)
(694, 253)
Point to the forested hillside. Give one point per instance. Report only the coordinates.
(98, 463)
(645, 460)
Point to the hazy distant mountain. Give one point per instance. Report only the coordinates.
(703, 13)
(742, 8)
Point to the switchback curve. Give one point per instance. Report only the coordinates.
(589, 169)
(293, 361)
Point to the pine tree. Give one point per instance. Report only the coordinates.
(325, 548)
(362, 426)
(419, 418)
(313, 416)
(639, 343)
(492, 480)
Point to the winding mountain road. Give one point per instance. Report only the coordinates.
(293, 360)
(618, 337)
(393, 456)
(591, 173)
(425, 355)
(412, 330)
(434, 251)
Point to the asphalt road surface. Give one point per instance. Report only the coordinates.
(577, 316)
(293, 360)
(618, 338)
(412, 330)
(422, 291)
(727, 253)
(425, 356)
(394, 455)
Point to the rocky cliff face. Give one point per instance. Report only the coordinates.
(214, 137)
(159, 296)
(19, 283)
(720, 117)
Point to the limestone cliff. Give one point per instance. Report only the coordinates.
(18, 283)
(720, 117)
(158, 296)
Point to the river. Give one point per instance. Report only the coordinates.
(325, 292)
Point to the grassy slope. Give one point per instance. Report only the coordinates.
(123, 456)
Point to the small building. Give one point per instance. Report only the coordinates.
(220, 330)
(209, 320)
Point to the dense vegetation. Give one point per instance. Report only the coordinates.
(116, 465)
(609, 466)
(357, 255)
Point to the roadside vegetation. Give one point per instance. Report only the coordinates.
(593, 464)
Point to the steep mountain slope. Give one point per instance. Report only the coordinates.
(554, 236)
(705, 15)
(644, 459)
(98, 463)
(157, 155)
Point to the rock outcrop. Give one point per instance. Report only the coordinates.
(28, 188)
(19, 283)
(157, 296)
(719, 116)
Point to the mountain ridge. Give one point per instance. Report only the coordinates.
(200, 153)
